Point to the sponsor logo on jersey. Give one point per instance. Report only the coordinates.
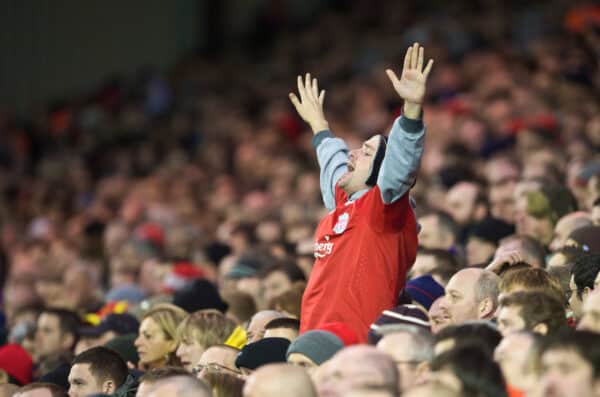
(323, 249)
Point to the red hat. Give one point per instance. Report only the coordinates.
(342, 331)
(16, 362)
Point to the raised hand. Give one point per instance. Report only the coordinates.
(411, 85)
(504, 259)
(310, 104)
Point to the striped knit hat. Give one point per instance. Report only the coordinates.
(403, 314)
(424, 290)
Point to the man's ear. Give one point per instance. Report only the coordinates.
(108, 387)
(541, 329)
(486, 309)
(586, 292)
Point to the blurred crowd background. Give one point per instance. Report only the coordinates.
(147, 185)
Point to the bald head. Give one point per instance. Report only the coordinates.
(179, 386)
(471, 294)
(270, 380)
(258, 322)
(358, 367)
(566, 225)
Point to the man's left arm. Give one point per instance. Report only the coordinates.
(402, 158)
(407, 137)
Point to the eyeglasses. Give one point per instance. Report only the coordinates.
(214, 367)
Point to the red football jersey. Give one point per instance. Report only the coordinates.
(363, 250)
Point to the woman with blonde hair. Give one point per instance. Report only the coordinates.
(157, 339)
(199, 331)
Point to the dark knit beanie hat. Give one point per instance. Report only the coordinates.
(424, 290)
(404, 314)
(317, 345)
(262, 352)
(377, 161)
(200, 294)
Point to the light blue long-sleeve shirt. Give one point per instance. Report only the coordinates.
(398, 170)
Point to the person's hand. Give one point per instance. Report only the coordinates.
(310, 104)
(411, 85)
(507, 258)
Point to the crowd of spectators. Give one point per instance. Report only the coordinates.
(156, 235)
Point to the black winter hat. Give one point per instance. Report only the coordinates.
(200, 294)
(377, 161)
(265, 351)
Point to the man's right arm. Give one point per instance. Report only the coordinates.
(332, 152)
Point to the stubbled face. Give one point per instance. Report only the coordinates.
(359, 166)
(566, 374)
(460, 303)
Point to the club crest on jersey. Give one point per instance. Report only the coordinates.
(342, 223)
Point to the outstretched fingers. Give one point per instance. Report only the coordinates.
(392, 76)
(428, 68)
(315, 90)
(294, 100)
(415, 56)
(301, 91)
(420, 60)
(407, 58)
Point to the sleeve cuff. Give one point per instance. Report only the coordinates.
(318, 138)
(410, 125)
